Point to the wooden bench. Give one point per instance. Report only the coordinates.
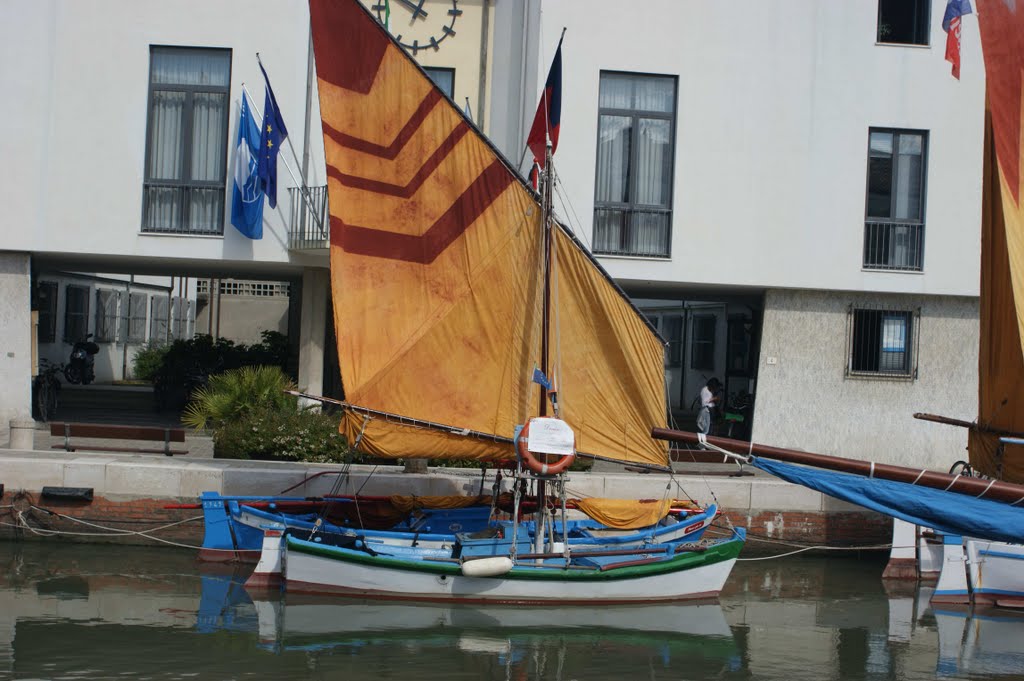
(109, 432)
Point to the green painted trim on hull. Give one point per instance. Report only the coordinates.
(716, 553)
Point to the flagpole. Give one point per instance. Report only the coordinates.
(295, 155)
(301, 185)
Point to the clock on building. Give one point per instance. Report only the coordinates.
(416, 27)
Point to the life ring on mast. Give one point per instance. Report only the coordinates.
(534, 463)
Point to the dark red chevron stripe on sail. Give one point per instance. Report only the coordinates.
(401, 139)
(424, 248)
(354, 60)
(410, 188)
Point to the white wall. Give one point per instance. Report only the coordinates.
(78, 73)
(774, 104)
(806, 401)
(16, 348)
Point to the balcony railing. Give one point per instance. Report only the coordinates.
(643, 232)
(308, 219)
(169, 208)
(893, 246)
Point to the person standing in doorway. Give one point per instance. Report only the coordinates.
(709, 397)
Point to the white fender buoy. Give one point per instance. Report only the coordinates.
(487, 567)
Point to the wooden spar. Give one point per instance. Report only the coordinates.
(975, 487)
(455, 430)
(935, 418)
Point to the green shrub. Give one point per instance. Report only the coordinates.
(276, 435)
(189, 363)
(237, 393)
(148, 360)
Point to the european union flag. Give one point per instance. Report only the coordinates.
(247, 196)
(271, 136)
(539, 377)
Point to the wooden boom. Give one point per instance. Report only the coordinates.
(994, 490)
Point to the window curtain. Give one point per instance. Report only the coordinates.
(173, 203)
(641, 226)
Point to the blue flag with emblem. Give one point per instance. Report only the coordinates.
(539, 377)
(247, 195)
(272, 135)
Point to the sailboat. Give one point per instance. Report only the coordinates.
(456, 296)
(970, 522)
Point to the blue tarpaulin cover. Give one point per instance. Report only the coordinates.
(949, 512)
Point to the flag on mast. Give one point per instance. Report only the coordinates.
(247, 194)
(951, 24)
(272, 134)
(549, 112)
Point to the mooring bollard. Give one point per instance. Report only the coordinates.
(22, 434)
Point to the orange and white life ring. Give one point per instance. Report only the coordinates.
(534, 463)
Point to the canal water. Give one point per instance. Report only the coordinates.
(102, 612)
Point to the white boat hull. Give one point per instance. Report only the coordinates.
(320, 570)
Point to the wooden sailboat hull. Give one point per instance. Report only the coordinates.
(317, 568)
(996, 571)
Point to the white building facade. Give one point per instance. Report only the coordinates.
(813, 168)
(790, 190)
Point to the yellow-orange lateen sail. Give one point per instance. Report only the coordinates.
(436, 272)
(1001, 356)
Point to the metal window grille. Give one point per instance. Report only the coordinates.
(76, 313)
(106, 315)
(702, 351)
(257, 289)
(882, 342)
(308, 223)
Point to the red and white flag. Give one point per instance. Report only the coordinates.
(951, 21)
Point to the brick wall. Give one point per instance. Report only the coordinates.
(30, 514)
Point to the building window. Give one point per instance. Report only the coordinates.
(76, 313)
(635, 148)
(904, 22)
(882, 343)
(186, 140)
(738, 346)
(894, 226)
(159, 320)
(674, 335)
(106, 315)
(136, 315)
(443, 78)
(702, 342)
(46, 304)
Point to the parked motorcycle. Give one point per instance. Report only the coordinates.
(80, 368)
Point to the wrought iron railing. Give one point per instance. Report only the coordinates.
(643, 232)
(308, 219)
(893, 246)
(169, 208)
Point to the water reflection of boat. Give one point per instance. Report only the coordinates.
(297, 622)
(980, 643)
(971, 642)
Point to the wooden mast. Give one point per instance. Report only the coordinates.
(993, 490)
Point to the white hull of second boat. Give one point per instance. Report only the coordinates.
(996, 571)
(982, 572)
(311, 572)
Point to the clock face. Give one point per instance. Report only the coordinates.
(416, 27)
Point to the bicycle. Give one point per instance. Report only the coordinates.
(45, 387)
